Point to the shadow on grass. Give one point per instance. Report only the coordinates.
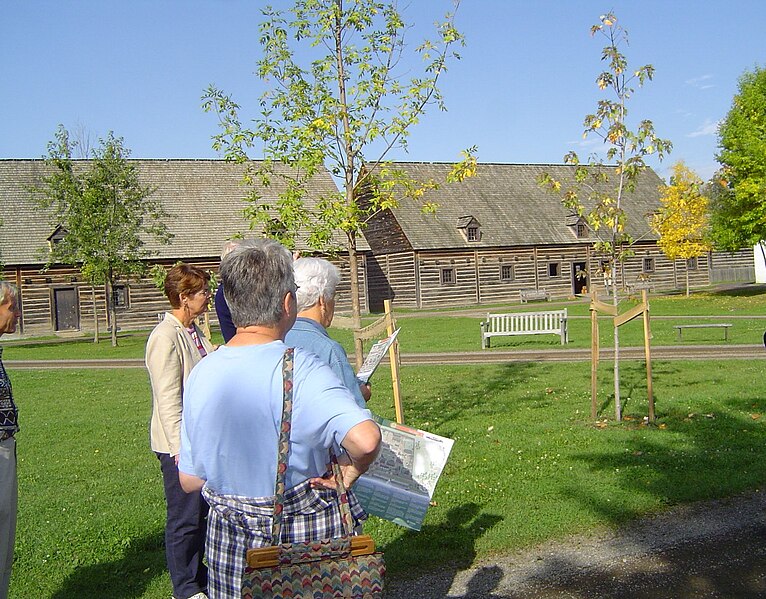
(688, 455)
(475, 392)
(739, 291)
(125, 577)
(451, 543)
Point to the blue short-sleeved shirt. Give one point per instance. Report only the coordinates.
(312, 336)
(232, 411)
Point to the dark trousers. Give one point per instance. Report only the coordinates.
(184, 533)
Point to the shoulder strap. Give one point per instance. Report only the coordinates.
(283, 447)
(284, 450)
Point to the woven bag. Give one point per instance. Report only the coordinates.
(347, 566)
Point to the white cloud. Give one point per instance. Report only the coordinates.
(701, 82)
(707, 128)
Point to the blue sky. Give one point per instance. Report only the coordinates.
(525, 81)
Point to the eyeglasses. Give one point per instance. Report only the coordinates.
(205, 292)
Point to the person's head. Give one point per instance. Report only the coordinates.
(317, 280)
(9, 307)
(229, 246)
(186, 286)
(257, 276)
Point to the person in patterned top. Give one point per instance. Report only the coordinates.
(9, 426)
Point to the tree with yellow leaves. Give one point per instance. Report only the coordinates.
(683, 221)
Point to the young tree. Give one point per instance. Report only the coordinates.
(353, 100)
(597, 193)
(683, 221)
(739, 189)
(104, 211)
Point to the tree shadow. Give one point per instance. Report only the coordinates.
(125, 577)
(451, 543)
(743, 290)
(628, 566)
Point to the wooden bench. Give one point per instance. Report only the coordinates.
(526, 295)
(525, 323)
(713, 325)
(638, 286)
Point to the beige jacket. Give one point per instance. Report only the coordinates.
(170, 356)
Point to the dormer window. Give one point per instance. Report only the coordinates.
(578, 226)
(57, 236)
(470, 228)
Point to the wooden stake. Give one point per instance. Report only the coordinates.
(648, 354)
(393, 358)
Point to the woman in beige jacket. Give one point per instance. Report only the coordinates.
(174, 347)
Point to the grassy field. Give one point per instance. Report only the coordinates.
(458, 330)
(528, 465)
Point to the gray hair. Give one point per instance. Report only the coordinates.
(315, 278)
(8, 292)
(256, 275)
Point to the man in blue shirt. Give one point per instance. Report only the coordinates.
(317, 282)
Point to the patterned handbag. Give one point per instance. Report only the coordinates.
(347, 566)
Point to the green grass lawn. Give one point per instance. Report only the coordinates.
(454, 331)
(527, 465)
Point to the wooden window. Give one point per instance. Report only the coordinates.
(554, 269)
(472, 233)
(121, 297)
(691, 263)
(582, 230)
(506, 272)
(648, 265)
(448, 276)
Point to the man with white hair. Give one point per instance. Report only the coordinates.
(317, 282)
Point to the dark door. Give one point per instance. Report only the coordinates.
(579, 277)
(65, 309)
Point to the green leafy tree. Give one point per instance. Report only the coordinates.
(739, 188)
(105, 213)
(597, 193)
(341, 97)
(683, 220)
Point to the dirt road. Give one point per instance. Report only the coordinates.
(708, 549)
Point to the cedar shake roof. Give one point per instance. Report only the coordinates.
(203, 198)
(510, 205)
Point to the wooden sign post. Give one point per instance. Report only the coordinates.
(386, 323)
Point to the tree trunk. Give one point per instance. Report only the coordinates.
(112, 313)
(95, 314)
(356, 309)
(617, 400)
(687, 278)
(349, 180)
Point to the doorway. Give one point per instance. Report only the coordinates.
(579, 277)
(65, 309)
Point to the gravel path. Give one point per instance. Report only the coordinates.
(708, 549)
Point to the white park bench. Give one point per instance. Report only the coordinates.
(531, 295)
(525, 323)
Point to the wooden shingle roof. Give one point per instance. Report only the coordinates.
(203, 198)
(510, 205)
